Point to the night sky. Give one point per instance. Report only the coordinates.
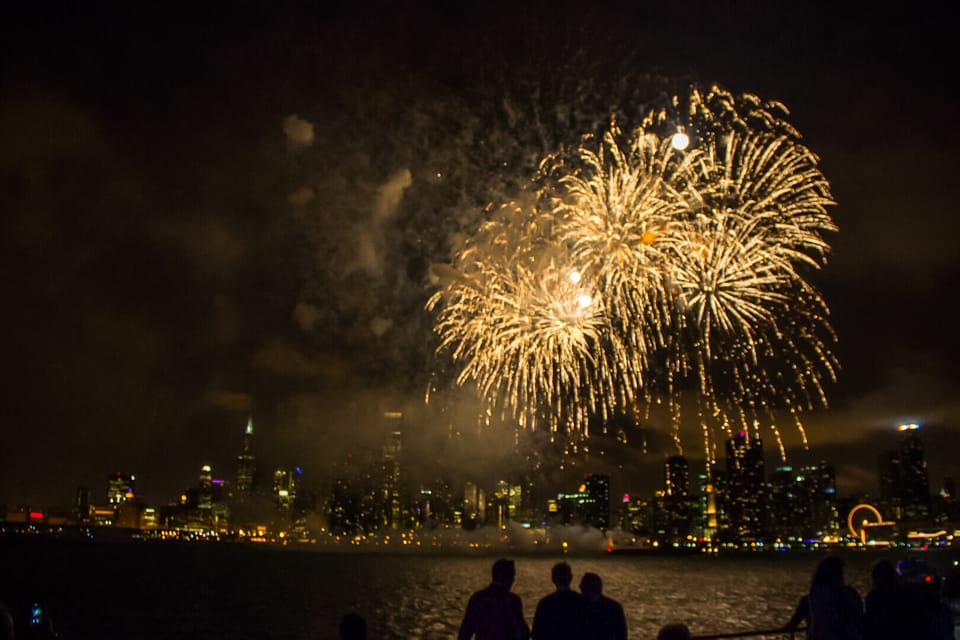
(210, 213)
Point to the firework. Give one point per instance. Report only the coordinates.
(753, 332)
(528, 328)
(706, 115)
(617, 211)
(650, 269)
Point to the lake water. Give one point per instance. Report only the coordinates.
(131, 591)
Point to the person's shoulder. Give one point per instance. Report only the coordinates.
(480, 594)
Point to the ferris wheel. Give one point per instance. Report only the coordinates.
(863, 517)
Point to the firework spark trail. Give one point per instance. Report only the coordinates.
(715, 112)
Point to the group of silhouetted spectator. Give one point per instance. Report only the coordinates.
(904, 604)
(494, 613)
(898, 607)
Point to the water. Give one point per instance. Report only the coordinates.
(131, 591)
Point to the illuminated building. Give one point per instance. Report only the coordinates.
(676, 476)
(474, 512)
(359, 498)
(744, 498)
(246, 463)
(803, 502)
(436, 505)
(904, 486)
(203, 507)
(286, 485)
(945, 502)
(392, 450)
(707, 521)
(506, 502)
(120, 488)
(346, 497)
(598, 509)
(674, 511)
(826, 511)
(103, 516)
(635, 514)
(589, 505)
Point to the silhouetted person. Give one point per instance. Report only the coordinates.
(604, 616)
(494, 613)
(674, 632)
(560, 615)
(832, 610)
(886, 612)
(930, 618)
(936, 618)
(353, 627)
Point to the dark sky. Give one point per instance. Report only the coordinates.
(175, 260)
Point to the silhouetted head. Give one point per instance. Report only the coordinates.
(561, 575)
(674, 632)
(353, 627)
(884, 574)
(503, 572)
(829, 572)
(591, 585)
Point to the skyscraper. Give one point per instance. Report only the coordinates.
(745, 488)
(803, 502)
(676, 476)
(596, 511)
(677, 505)
(246, 464)
(286, 486)
(391, 467)
(888, 467)
(914, 484)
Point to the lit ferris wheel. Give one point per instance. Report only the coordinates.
(862, 518)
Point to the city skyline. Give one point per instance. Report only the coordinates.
(904, 489)
(371, 500)
(207, 217)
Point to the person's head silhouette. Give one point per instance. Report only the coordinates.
(503, 573)
(674, 632)
(591, 586)
(884, 574)
(562, 575)
(829, 572)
